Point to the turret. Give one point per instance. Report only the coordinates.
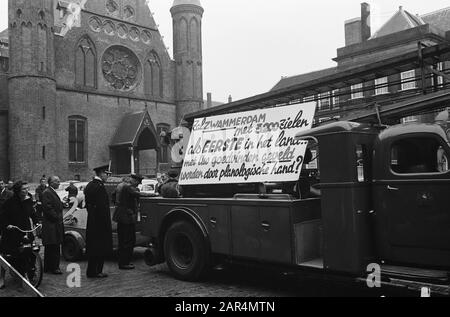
(187, 51)
(32, 89)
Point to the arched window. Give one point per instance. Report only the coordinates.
(153, 75)
(77, 139)
(27, 50)
(86, 64)
(194, 36)
(183, 35)
(163, 154)
(42, 37)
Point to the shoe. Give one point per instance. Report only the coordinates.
(126, 267)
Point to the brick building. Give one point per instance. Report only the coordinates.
(84, 82)
(399, 35)
(399, 73)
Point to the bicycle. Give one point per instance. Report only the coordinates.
(29, 253)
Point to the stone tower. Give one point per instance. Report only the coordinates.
(32, 89)
(187, 53)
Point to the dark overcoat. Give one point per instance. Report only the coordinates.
(16, 213)
(126, 209)
(52, 223)
(99, 226)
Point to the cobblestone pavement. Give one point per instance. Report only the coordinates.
(157, 281)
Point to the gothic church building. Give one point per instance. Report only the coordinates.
(84, 82)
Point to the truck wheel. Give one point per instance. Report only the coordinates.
(185, 251)
(71, 249)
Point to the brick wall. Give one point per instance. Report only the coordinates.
(65, 57)
(104, 115)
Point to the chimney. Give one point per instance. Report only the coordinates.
(209, 101)
(352, 31)
(365, 22)
(230, 100)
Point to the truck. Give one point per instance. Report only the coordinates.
(383, 209)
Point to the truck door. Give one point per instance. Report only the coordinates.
(413, 202)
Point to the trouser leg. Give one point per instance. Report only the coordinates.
(131, 242)
(121, 241)
(100, 263)
(127, 241)
(57, 256)
(92, 269)
(95, 265)
(51, 257)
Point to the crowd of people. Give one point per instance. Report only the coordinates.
(18, 207)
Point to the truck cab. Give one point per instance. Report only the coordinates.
(411, 196)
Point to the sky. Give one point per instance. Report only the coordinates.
(248, 45)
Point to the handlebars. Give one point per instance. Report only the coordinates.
(25, 231)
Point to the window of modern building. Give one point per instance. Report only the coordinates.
(163, 154)
(410, 119)
(77, 139)
(309, 98)
(381, 86)
(357, 92)
(86, 64)
(440, 79)
(324, 101)
(408, 81)
(336, 100)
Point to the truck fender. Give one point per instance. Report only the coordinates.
(77, 236)
(182, 212)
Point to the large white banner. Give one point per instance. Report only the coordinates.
(247, 147)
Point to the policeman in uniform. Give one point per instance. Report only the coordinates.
(125, 215)
(99, 227)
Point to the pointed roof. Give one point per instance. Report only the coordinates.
(402, 20)
(131, 127)
(439, 19)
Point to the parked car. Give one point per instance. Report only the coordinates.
(75, 221)
(148, 186)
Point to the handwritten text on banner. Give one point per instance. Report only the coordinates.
(253, 147)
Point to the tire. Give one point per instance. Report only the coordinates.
(186, 252)
(34, 275)
(71, 249)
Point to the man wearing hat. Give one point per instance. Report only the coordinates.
(125, 214)
(170, 188)
(99, 228)
(52, 226)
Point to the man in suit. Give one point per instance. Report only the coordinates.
(52, 226)
(38, 196)
(127, 195)
(99, 226)
(5, 193)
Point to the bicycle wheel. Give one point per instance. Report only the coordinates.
(35, 271)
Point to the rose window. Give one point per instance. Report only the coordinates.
(120, 68)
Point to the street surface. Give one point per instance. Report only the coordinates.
(145, 281)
